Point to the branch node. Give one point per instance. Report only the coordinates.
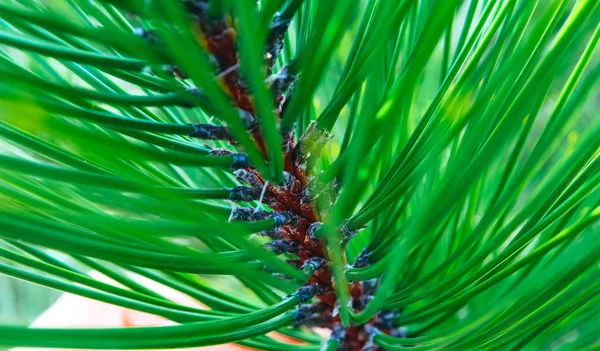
(307, 292)
(362, 260)
(210, 132)
(311, 232)
(312, 265)
(240, 160)
(282, 218)
(279, 247)
(244, 193)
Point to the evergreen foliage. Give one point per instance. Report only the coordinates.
(405, 174)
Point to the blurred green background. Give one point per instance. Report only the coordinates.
(21, 302)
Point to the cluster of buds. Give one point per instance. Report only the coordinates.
(296, 231)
